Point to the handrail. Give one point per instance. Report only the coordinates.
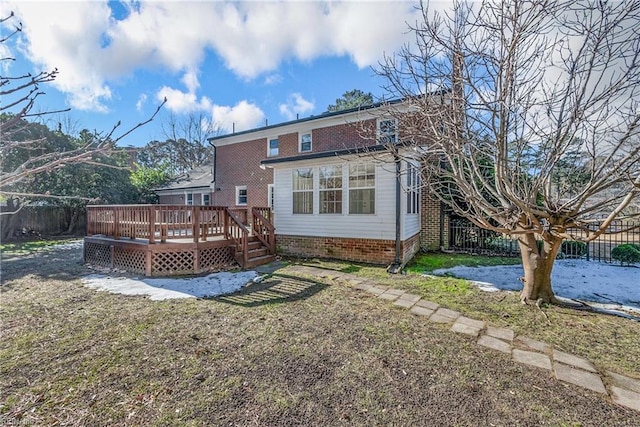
(239, 234)
(263, 229)
(151, 221)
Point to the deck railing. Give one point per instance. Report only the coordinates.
(239, 234)
(263, 228)
(155, 222)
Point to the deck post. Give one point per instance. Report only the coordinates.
(195, 218)
(152, 224)
(116, 223)
(147, 263)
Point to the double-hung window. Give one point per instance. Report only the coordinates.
(273, 147)
(303, 191)
(330, 189)
(189, 199)
(362, 192)
(241, 195)
(413, 189)
(387, 131)
(206, 199)
(305, 142)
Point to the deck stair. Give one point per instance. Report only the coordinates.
(257, 254)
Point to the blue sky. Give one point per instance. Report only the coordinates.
(232, 62)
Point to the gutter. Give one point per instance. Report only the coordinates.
(396, 267)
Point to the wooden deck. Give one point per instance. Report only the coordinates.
(160, 240)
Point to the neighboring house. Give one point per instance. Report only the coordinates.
(332, 186)
(193, 188)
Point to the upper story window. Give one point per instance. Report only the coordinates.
(387, 131)
(206, 199)
(241, 195)
(305, 142)
(362, 188)
(303, 191)
(273, 148)
(189, 199)
(331, 190)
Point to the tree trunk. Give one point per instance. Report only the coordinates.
(537, 261)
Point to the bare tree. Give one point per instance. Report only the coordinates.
(536, 129)
(186, 143)
(19, 95)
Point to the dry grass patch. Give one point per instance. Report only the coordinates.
(287, 351)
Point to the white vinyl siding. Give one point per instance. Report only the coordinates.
(380, 225)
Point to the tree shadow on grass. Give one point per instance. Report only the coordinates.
(64, 263)
(277, 289)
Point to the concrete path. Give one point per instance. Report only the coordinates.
(566, 367)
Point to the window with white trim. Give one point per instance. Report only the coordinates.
(413, 188)
(387, 131)
(241, 195)
(362, 188)
(188, 200)
(272, 147)
(303, 191)
(330, 189)
(305, 142)
(206, 199)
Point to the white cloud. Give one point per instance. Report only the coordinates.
(241, 116)
(142, 99)
(183, 102)
(296, 105)
(92, 49)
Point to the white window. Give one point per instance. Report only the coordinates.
(331, 190)
(305, 142)
(188, 200)
(271, 195)
(413, 189)
(273, 147)
(387, 131)
(362, 188)
(206, 199)
(303, 191)
(241, 195)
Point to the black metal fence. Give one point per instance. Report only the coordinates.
(465, 236)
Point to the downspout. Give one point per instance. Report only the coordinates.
(397, 262)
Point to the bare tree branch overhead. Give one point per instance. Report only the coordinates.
(537, 128)
(24, 155)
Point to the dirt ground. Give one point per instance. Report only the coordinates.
(287, 351)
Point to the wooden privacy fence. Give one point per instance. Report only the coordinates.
(40, 220)
(467, 237)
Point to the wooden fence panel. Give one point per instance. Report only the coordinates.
(38, 220)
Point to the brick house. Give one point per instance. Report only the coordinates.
(333, 190)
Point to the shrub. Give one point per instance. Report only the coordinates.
(628, 253)
(573, 249)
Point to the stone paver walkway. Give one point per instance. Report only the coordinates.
(566, 367)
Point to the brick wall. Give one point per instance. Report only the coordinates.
(239, 164)
(430, 222)
(410, 247)
(370, 251)
(348, 135)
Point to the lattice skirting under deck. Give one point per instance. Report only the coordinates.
(166, 262)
